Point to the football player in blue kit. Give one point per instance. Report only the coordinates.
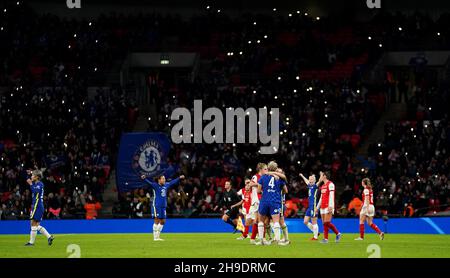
(271, 186)
(37, 208)
(310, 214)
(159, 203)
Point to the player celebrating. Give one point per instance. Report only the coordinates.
(326, 205)
(159, 203)
(253, 218)
(283, 225)
(37, 205)
(367, 211)
(246, 195)
(312, 204)
(268, 222)
(271, 186)
(231, 201)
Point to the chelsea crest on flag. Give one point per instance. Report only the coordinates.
(141, 154)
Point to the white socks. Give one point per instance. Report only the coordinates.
(160, 227)
(43, 231)
(33, 234)
(277, 231)
(35, 230)
(261, 230)
(314, 228)
(155, 231)
(285, 232)
(316, 231)
(157, 228)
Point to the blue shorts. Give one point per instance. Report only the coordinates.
(269, 209)
(310, 212)
(37, 213)
(158, 212)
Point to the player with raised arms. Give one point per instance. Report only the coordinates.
(37, 208)
(159, 203)
(327, 207)
(367, 211)
(310, 214)
(271, 186)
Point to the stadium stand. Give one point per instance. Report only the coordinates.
(313, 69)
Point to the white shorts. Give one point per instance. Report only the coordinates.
(243, 211)
(252, 212)
(368, 211)
(325, 211)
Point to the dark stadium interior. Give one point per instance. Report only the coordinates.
(349, 103)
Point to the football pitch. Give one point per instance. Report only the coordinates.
(199, 245)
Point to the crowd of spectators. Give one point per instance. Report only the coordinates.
(322, 120)
(72, 137)
(311, 68)
(313, 141)
(411, 165)
(50, 119)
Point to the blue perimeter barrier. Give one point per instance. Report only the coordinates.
(425, 225)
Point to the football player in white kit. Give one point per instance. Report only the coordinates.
(246, 194)
(252, 216)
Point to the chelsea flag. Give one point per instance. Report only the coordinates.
(141, 154)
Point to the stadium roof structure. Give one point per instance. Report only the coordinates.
(161, 59)
(318, 7)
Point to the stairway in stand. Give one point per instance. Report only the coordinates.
(395, 112)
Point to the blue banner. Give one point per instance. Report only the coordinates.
(141, 154)
(232, 162)
(171, 170)
(426, 225)
(54, 161)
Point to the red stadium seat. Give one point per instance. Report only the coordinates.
(345, 137)
(355, 139)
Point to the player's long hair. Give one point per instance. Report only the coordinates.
(367, 183)
(272, 166)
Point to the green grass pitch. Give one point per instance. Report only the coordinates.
(198, 245)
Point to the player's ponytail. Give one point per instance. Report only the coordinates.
(272, 166)
(367, 182)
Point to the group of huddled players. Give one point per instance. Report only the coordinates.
(262, 204)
